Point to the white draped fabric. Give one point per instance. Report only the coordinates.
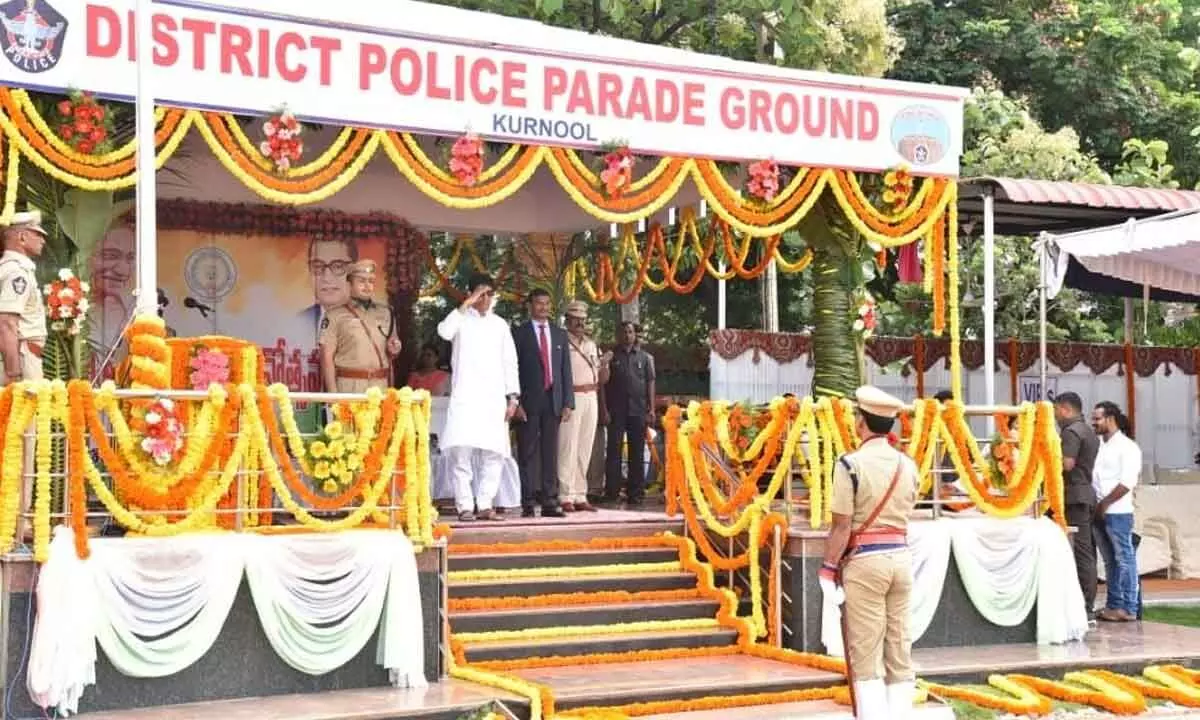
(1006, 566)
(157, 605)
(1159, 252)
(62, 659)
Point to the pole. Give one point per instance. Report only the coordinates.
(772, 297)
(846, 657)
(989, 305)
(1042, 266)
(721, 296)
(147, 220)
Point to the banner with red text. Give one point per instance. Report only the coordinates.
(430, 69)
(269, 290)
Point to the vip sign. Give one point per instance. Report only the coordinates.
(1031, 388)
(401, 65)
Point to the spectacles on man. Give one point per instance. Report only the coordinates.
(337, 268)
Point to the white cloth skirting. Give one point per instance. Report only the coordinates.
(1007, 566)
(156, 605)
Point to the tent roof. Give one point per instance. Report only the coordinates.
(1161, 252)
(1027, 207)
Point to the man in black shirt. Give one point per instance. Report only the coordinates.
(1079, 448)
(627, 408)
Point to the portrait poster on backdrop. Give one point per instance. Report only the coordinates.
(271, 290)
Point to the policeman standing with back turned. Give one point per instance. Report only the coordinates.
(867, 563)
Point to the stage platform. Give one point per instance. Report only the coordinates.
(1126, 646)
(956, 622)
(241, 663)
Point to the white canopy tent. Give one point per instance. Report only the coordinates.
(1160, 252)
(1156, 257)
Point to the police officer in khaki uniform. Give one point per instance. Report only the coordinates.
(22, 312)
(358, 339)
(874, 491)
(22, 315)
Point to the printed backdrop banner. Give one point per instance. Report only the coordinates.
(267, 289)
(424, 68)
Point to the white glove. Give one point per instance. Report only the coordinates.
(832, 591)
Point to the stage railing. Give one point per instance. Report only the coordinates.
(940, 477)
(145, 462)
(735, 488)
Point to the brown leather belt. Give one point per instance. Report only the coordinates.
(34, 347)
(879, 536)
(586, 388)
(352, 374)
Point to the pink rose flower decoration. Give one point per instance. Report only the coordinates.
(208, 367)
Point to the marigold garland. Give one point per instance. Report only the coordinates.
(149, 354)
(601, 597)
(549, 546)
(718, 702)
(227, 438)
(897, 223)
(1014, 698)
(549, 661)
(1086, 689)
(1155, 684)
(388, 410)
(45, 414)
(566, 631)
(586, 570)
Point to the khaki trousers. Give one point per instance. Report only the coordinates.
(31, 369)
(575, 440)
(879, 642)
(357, 385)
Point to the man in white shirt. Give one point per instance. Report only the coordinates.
(483, 398)
(1118, 465)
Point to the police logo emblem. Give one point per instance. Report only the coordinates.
(921, 135)
(19, 285)
(33, 34)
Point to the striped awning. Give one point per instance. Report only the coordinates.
(1027, 207)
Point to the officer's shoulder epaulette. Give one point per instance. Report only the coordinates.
(844, 461)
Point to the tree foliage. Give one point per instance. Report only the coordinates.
(850, 36)
(1082, 90)
(1112, 69)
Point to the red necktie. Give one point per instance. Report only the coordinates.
(545, 347)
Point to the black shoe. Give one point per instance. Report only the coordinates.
(634, 503)
(527, 512)
(554, 512)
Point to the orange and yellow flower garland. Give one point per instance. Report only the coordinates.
(829, 428)
(352, 149)
(229, 436)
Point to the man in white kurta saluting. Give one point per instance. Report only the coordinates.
(484, 394)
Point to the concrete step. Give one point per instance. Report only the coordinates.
(527, 587)
(568, 558)
(590, 645)
(449, 699)
(685, 678)
(540, 617)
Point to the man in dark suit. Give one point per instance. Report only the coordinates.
(547, 399)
